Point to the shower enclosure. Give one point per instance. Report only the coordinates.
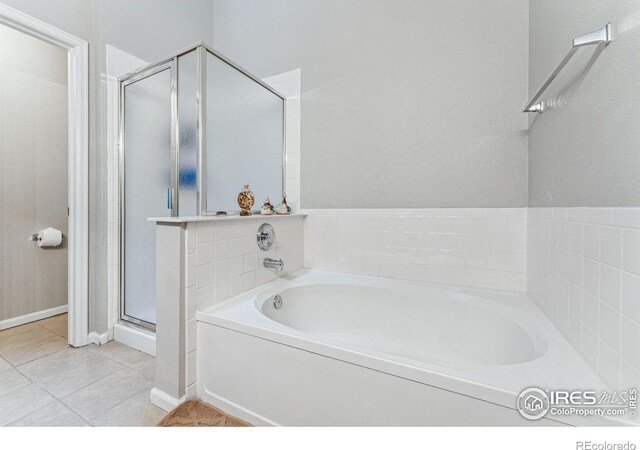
(194, 128)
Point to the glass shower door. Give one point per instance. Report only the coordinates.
(148, 185)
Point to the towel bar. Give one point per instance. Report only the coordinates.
(599, 37)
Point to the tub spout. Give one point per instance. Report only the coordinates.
(271, 263)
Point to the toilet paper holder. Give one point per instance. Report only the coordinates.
(49, 237)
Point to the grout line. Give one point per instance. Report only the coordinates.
(54, 331)
(38, 358)
(29, 344)
(51, 329)
(120, 403)
(51, 374)
(38, 325)
(104, 375)
(29, 381)
(56, 400)
(24, 332)
(89, 385)
(75, 411)
(95, 353)
(22, 417)
(121, 363)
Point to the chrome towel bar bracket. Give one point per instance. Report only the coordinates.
(599, 37)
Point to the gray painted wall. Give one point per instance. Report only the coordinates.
(584, 150)
(33, 173)
(405, 103)
(78, 17)
(154, 29)
(148, 29)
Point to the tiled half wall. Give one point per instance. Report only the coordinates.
(223, 260)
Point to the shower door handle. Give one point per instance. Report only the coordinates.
(168, 198)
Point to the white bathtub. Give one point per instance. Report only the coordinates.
(355, 350)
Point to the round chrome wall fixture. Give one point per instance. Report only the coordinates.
(266, 237)
(277, 302)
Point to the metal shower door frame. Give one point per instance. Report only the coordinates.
(170, 64)
(202, 51)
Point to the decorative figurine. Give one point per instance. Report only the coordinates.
(283, 208)
(267, 208)
(246, 201)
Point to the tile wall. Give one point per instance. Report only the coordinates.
(223, 260)
(584, 272)
(479, 247)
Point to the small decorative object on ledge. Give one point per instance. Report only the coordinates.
(283, 208)
(267, 208)
(246, 201)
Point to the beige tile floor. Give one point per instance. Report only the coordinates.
(44, 382)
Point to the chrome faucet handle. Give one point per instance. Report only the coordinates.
(266, 237)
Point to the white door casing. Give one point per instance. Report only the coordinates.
(78, 238)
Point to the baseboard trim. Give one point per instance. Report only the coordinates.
(32, 317)
(98, 338)
(129, 335)
(163, 400)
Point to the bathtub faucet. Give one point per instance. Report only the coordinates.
(271, 263)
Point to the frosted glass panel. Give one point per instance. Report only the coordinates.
(244, 138)
(188, 114)
(147, 167)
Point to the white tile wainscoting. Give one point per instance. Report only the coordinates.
(223, 260)
(584, 272)
(478, 247)
(581, 265)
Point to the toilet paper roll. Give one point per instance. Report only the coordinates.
(49, 237)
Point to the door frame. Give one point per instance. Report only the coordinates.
(78, 123)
